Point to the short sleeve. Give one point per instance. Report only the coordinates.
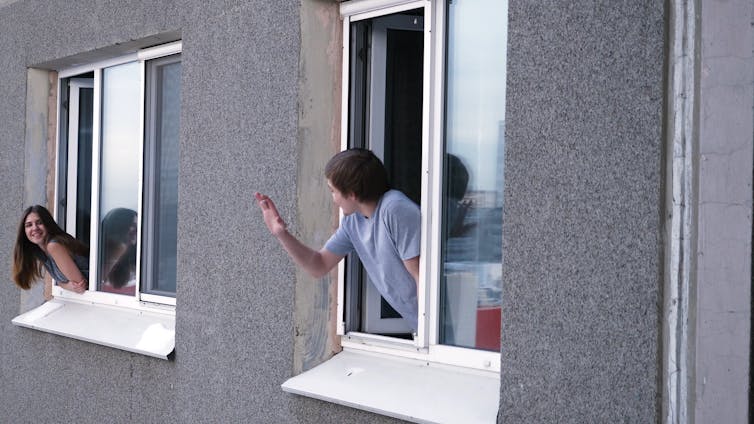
(403, 220)
(339, 243)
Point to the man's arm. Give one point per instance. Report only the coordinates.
(316, 263)
(412, 266)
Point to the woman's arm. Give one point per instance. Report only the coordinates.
(76, 281)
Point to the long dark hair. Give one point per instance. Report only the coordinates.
(27, 255)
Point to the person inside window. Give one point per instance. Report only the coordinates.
(40, 242)
(381, 225)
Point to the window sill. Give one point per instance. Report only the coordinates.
(144, 332)
(402, 388)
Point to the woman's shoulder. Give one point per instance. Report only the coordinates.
(54, 245)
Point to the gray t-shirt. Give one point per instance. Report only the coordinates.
(383, 242)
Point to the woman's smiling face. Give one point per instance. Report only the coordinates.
(35, 229)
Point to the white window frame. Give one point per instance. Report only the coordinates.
(138, 323)
(371, 300)
(139, 301)
(425, 346)
(73, 128)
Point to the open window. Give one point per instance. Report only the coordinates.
(424, 88)
(118, 179)
(431, 106)
(385, 116)
(116, 191)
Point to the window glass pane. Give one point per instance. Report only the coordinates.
(404, 57)
(385, 116)
(119, 178)
(399, 141)
(471, 284)
(167, 125)
(84, 176)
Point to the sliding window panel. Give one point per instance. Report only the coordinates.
(78, 181)
(119, 178)
(385, 116)
(471, 282)
(162, 124)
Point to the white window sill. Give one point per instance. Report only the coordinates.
(139, 331)
(407, 389)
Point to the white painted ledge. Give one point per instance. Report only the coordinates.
(407, 389)
(138, 331)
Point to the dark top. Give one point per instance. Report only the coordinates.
(82, 263)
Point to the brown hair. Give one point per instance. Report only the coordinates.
(27, 255)
(358, 172)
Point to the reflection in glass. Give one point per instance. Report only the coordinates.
(473, 199)
(167, 125)
(119, 229)
(84, 161)
(119, 175)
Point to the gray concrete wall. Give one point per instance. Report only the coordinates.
(581, 227)
(719, 387)
(241, 133)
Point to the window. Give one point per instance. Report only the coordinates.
(470, 267)
(424, 88)
(431, 105)
(116, 191)
(385, 115)
(118, 179)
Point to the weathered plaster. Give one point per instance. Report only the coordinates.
(708, 280)
(679, 193)
(721, 291)
(319, 139)
(52, 109)
(37, 160)
(36, 167)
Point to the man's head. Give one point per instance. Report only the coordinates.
(358, 172)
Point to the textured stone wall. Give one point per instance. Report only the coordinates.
(581, 227)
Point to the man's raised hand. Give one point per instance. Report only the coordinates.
(270, 213)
